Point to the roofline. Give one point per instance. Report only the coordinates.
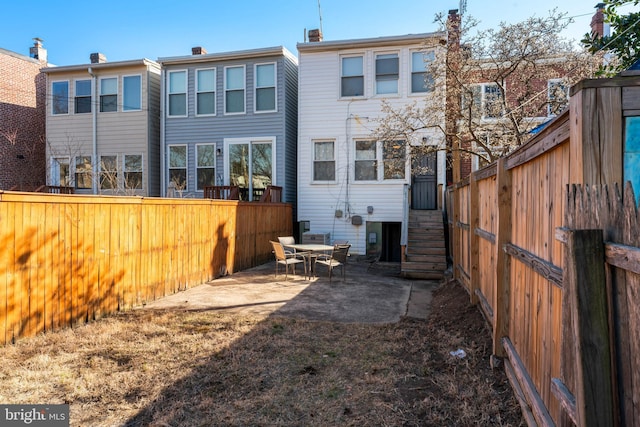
(369, 42)
(227, 56)
(102, 66)
(19, 56)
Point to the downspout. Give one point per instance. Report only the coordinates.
(94, 138)
(163, 178)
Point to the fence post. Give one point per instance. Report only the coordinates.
(474, 252)
(587, 297)
(503, 260)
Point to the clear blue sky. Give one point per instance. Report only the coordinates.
(135, 29)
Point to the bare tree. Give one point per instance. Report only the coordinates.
(499, 85)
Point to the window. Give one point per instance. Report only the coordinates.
(178, 166)
(387, 73)
(131, 93)
(205, 165)
(60, 98)
(83, 172)
(60, 171)
(177, 93)
(234, 90)
(206, 92)
(485, 101)
(421, 78)
(82, 99)
(109, 94)
(324, 163)
(133, 171)
(365, 164)
(352, 76)
(108, 172)
(266, 87)
(393, 158)
(558, 97)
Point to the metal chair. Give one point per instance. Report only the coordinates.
(338, 258)
(282, 258)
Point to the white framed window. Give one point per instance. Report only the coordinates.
(82, 98)
(60, 97)
(177, 93)
(205, 165)
(206, 92)
(324, 161)
(387, 73)
(485, 101)
(108, 172)
(366, 161)
(265, 87)
(394, 160)
(83, 172)
(352, 76)
(234, 90)
(133, 171)
(108, 94)
(557, 95)
(132, 93)
(178, 166)
(60, 172)
(421, 77)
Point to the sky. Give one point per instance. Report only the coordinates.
(135, 29)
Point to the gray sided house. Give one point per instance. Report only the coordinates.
(230, 119)
(103, 127)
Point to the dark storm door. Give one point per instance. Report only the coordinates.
(424, 185)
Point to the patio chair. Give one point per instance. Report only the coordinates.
(287, 240)
(338, 258)
(282, 258)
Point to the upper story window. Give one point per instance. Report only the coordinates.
(205, 165)
(352, 82)
(485, 101)
(387, 71)
(109, 94)
(265, 87)
(177, 93)
(558, 95)
(324, 162)
(82, 100)
(394, 160)
(421, 77)
(366, 164)
(60, 97)
(234, 83)
(131, 93)
(206, 92)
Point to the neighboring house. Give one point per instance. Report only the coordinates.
(351, 186)
(103, 127)
(230, 119)
(22, 118)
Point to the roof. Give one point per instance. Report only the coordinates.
(369, 42)
(19, 56)
(102, 66)
(226, 56)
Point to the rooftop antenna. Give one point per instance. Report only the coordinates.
(320, 15)
(463, 7)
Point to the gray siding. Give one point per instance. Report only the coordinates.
(291, 131)
(153, 157)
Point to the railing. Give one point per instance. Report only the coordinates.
(271, 194)
(222, 192)
(55, 189)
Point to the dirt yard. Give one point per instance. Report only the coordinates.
(210, 368)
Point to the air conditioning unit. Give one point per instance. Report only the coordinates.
(319, 238)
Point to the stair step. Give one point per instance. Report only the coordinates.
(422, 275)
(439, 258)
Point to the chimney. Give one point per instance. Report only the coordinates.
(37, 51)
(97, 58)
(598, 27)
(315, 36)
(198, 50)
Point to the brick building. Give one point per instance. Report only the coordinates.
(22, 118)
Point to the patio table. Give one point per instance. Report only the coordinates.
(309, 251)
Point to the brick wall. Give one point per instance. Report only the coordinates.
(22, 122)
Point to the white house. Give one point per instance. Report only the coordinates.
(351, 186)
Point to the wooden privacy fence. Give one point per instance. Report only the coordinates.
(70, 259)
(518, 248)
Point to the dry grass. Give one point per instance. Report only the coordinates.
(211, 368)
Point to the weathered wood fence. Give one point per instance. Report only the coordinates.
(70, 259)
(517, 249)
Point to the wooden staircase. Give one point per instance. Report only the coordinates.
(426, 256)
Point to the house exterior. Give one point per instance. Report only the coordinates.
(103, 127)
(22, 118)
(350, 186)
(230, 119)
